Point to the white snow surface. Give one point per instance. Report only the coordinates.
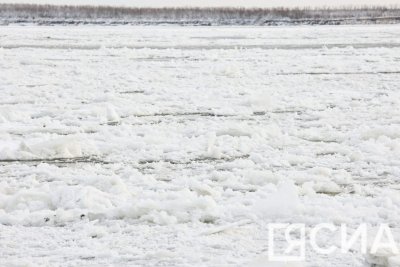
(176, 146)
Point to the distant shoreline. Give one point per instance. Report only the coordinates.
(107, 15)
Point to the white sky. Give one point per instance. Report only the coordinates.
(205, 3)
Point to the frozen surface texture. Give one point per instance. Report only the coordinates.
(176, 146)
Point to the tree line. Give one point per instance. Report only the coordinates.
(37, 12)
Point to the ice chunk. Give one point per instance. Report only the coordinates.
(285, 201)
(213, 150)
(112, 115)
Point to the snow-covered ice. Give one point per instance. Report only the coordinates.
(176, 146)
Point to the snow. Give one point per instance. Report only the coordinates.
(176, 146)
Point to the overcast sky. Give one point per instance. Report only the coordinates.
(204, 3)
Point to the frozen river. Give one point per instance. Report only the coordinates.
(177, 146)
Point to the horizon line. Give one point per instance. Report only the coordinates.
(309, 7)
